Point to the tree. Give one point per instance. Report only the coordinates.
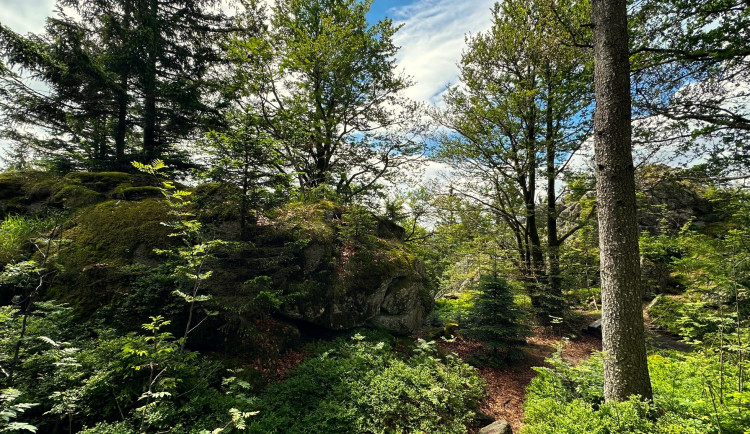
(691, 73)
(520, 114)
(243, 156)
(623, 339)
(125, 75)
(70, 120)
(495, 319)
(322, 78)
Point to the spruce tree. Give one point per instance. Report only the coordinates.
(123, 80)
(496, 320)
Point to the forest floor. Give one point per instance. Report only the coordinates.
(506, 386)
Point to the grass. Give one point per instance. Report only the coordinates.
(17, 232)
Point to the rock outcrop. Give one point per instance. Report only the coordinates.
(317, 262)
(391, 292)
(345, 283)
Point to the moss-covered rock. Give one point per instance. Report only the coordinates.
(304, 260)
(25, 192)
(138, 193)
(344, 283)
(34, 192)
(102, 239)
(115, 232)
(72, 196)
(101, 182)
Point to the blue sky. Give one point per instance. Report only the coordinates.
(431, 39)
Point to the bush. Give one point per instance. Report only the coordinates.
(80, 380)
(693, 393)
(360, 385)
(453, 309)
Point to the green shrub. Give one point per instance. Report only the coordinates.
(453, 308)
(693, 393)
(144, 381)
(360, 386)
(588, 297)
(666, 311)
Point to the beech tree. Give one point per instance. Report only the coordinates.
(519, 115)
(323, 80)
(623, 336)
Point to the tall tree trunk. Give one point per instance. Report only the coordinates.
(150, 145)
(625, 364)
(122, 118)
(554, 285)
(536, 253)
(122, 96)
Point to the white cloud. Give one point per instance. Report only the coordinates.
(26, 16)
(432, 40)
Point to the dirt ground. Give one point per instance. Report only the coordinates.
(506, 387)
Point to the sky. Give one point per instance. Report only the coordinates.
(431, 39)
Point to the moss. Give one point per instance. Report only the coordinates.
(76, 196)
(397, 255)
(101, 182)
(216, 202)
(308, 221)
(32, 192)
(21, 192)
(112, 231)
(138, 193)
(11, 186)
(104, 238)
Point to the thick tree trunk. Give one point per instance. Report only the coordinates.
(625, 364)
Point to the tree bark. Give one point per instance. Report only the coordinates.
(625, 364)
(122, 119)
(122, 95)
(554, 286)
(535, 254)
(150, 141)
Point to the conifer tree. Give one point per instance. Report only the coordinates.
(495, 319)
(127, 80)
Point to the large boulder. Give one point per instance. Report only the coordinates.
(342, 283)
(383, 286)
(321, 263)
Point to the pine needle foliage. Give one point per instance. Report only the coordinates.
(496, 319)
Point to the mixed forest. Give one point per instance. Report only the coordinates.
(215, 218)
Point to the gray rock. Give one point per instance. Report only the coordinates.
(313, 257)
(500, 426)
(395, 298)
(595, 328)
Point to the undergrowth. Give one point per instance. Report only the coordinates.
(693, 393)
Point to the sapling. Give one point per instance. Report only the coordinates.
(193, 253)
